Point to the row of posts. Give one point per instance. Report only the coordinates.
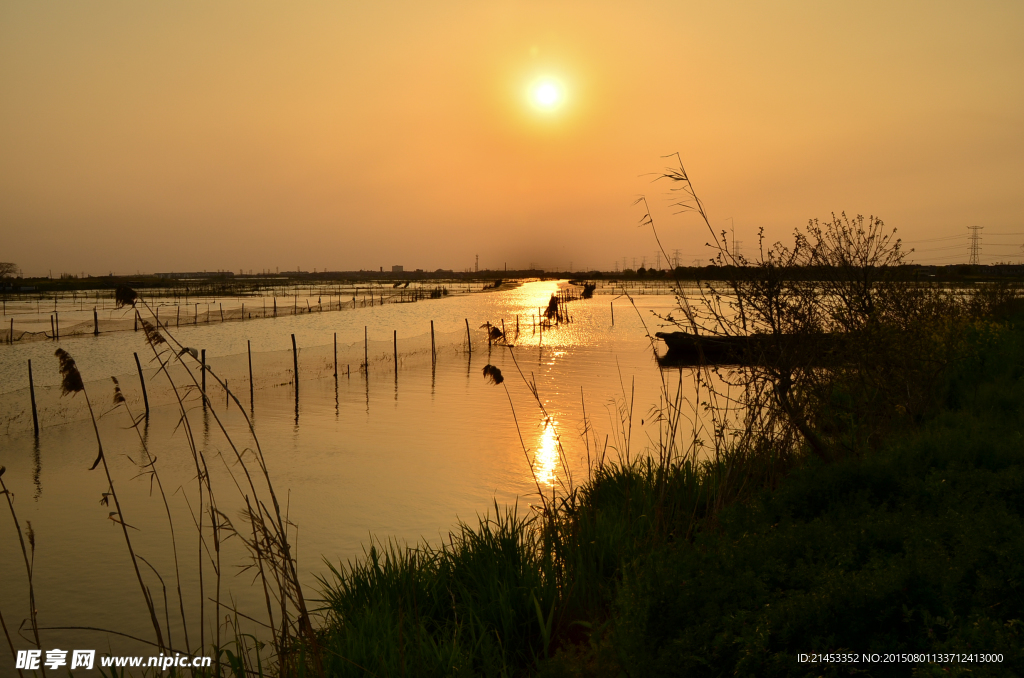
(295, 360)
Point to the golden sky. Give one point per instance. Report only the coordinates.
(146, 136)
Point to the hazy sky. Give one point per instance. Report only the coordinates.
(155, 136)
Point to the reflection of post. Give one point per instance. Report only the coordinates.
(469, 340)
(32, 396)
(142, 380)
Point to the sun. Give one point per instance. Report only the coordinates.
(547, 94)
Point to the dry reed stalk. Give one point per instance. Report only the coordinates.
(71, 382)
(274, 534)
(119, 400)
(29, 565)
(7, 635)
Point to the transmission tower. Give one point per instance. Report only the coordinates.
(975, 244)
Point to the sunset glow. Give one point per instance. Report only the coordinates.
(547, 94)
(217, 135)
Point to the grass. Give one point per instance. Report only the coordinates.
(912, 545)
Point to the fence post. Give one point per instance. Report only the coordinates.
(396, 352)
(366, 352)
(295, 359)
(142, 380)
(433, 351)
(613, 312)
(469, 340)
(335, 355)
(95, 323)
(252, 399)
(32, 396)
(202, 360)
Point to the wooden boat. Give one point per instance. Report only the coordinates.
(687, 350)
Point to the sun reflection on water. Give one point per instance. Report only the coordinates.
(545, 461)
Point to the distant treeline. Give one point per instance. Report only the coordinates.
(228, 283)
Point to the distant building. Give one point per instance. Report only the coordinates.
(397, 269)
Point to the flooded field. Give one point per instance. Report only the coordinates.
(402, 449)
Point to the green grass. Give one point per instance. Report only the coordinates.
(915, 545)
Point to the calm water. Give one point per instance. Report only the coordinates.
(404, 452)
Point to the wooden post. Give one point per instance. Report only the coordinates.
(613, 312)
(157, 317)
(32, 396)
(252, 390)
(136, 321)
(503, 330)
(396, 352)
(12, 330)
(53, 332)
(195, 320)
(295, 359)
(469, 340)
(222, 311)
(202, 360)
(433, 351)
(177, 316)
(366, 352)
(275, 306)
(56, 325)
(142, 380)
(335, 355)
(243, 310)
(227, 395)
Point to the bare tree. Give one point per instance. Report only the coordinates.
(8, 269)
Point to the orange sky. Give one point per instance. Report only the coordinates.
(187, 136)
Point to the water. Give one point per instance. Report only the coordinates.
(402, 454)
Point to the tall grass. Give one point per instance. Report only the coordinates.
(291, 647)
